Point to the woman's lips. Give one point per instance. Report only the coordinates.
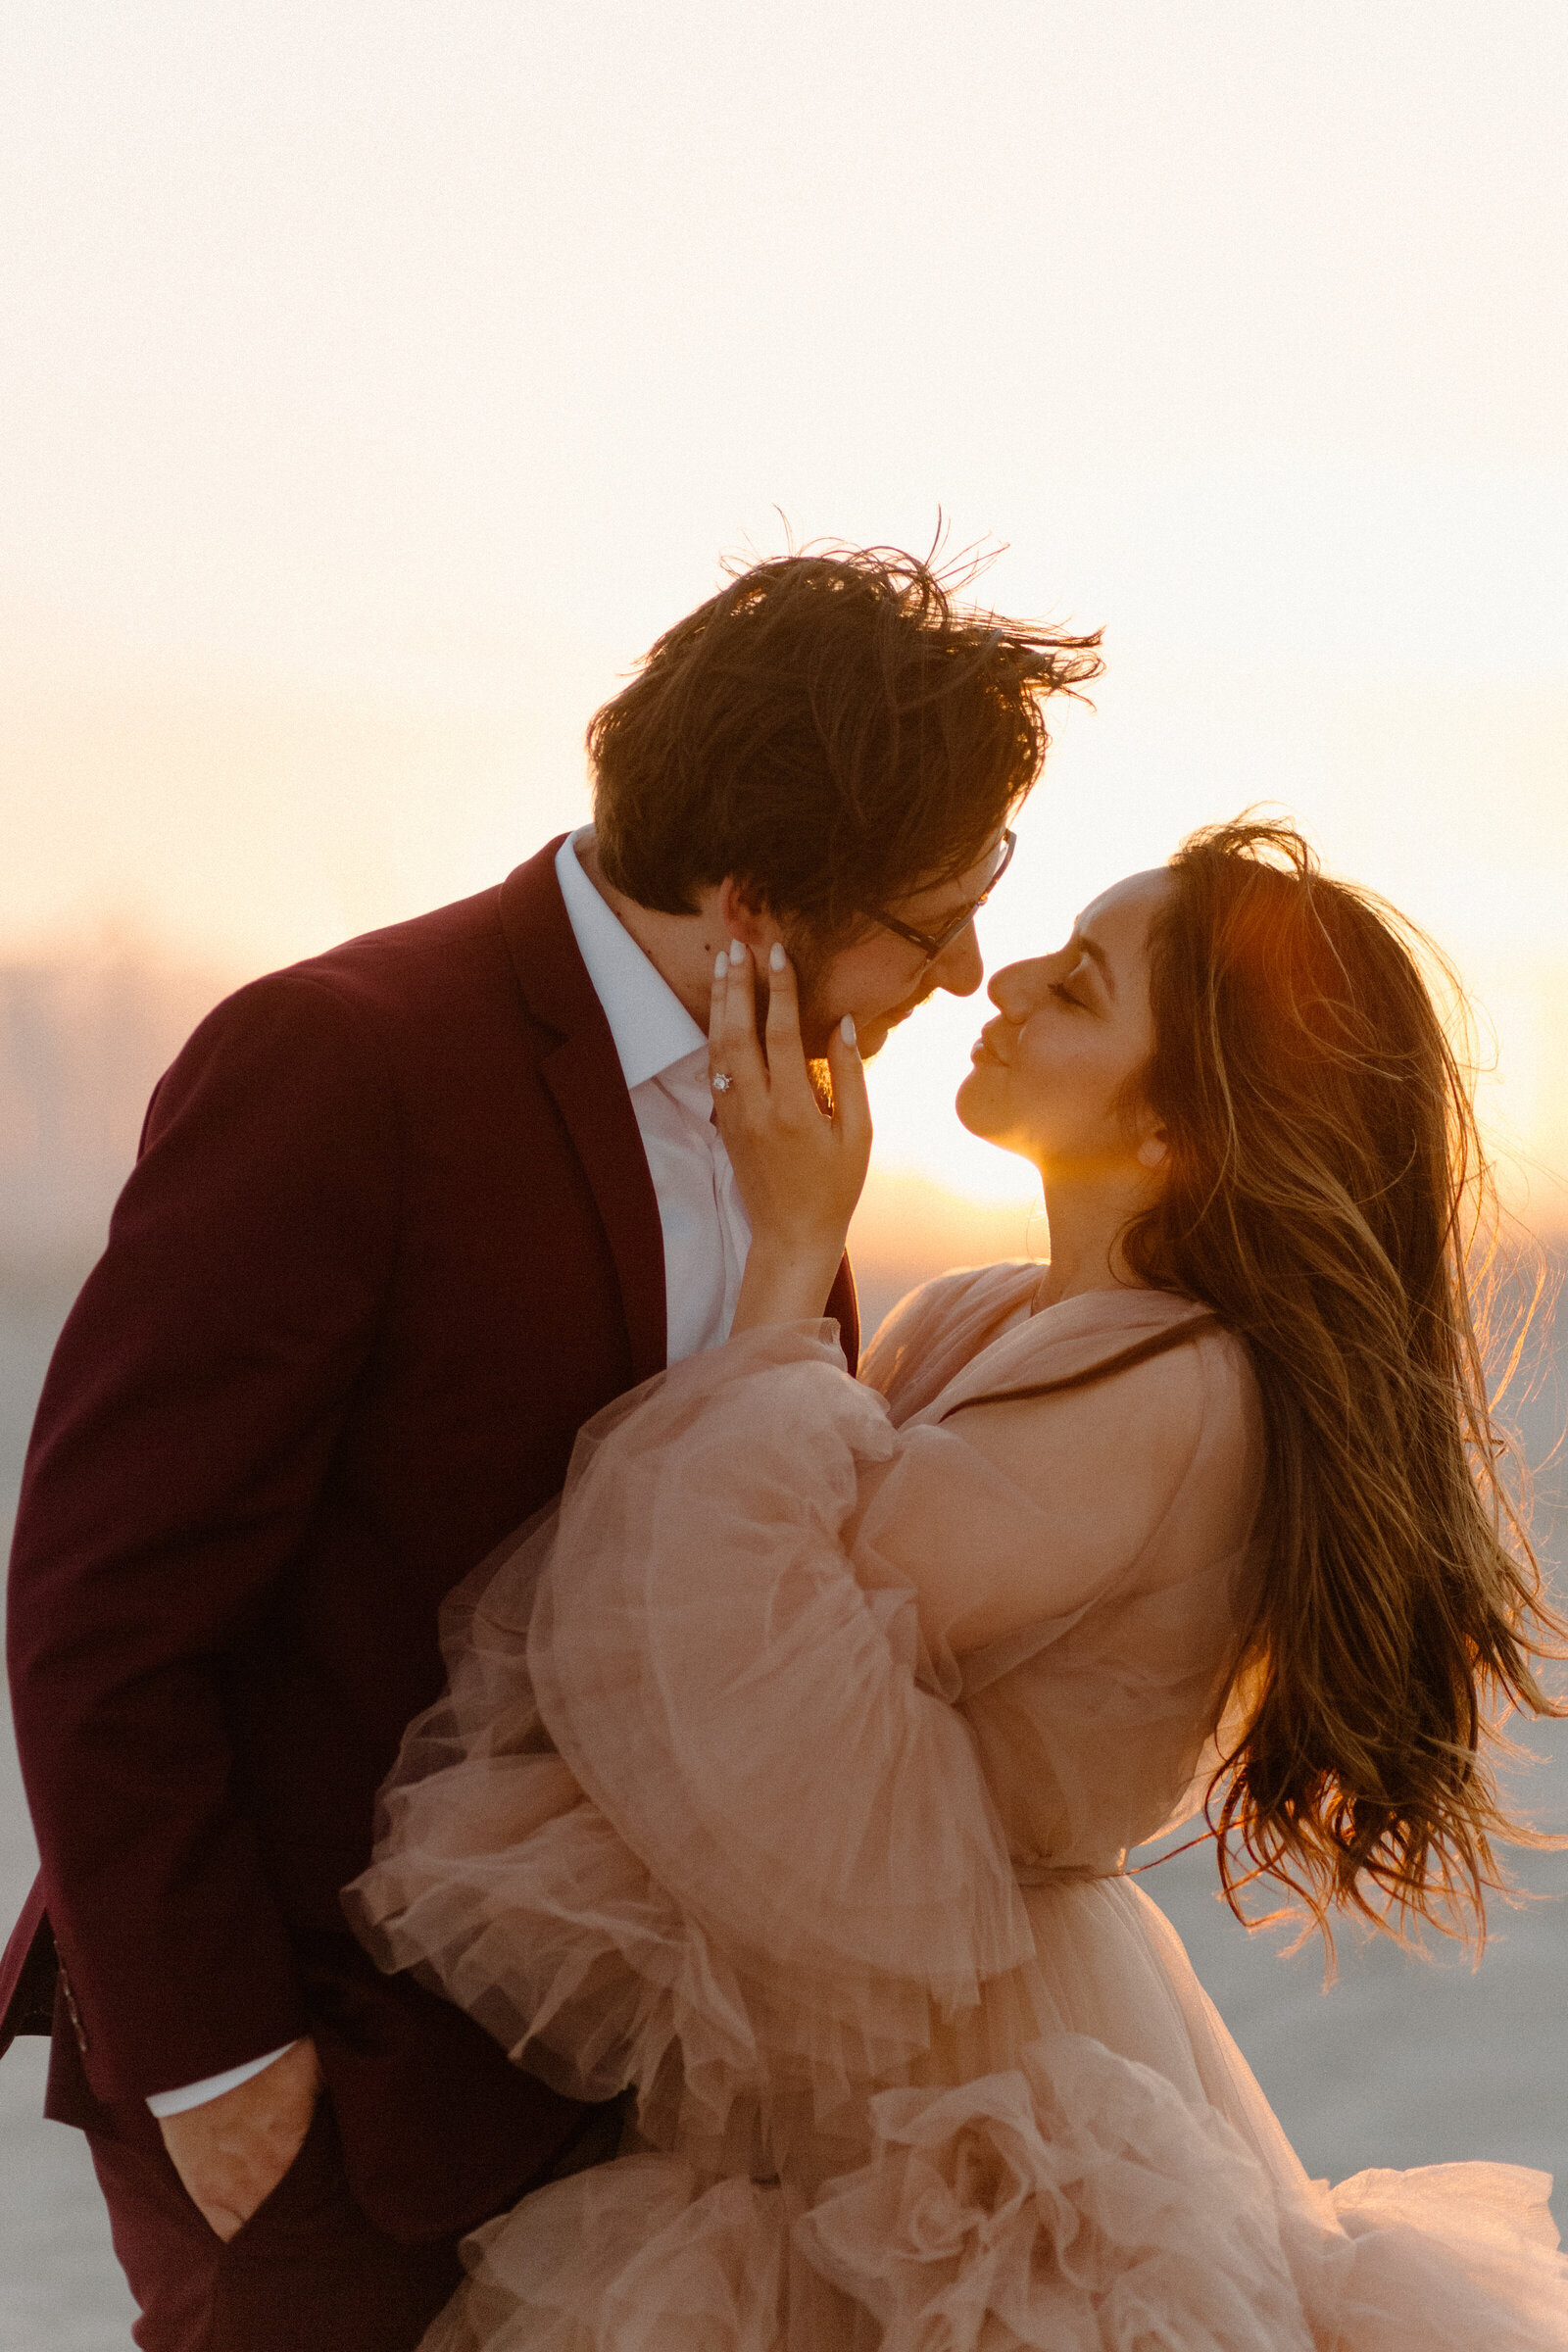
(982, 1054)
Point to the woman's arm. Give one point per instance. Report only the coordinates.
(1018, 1514)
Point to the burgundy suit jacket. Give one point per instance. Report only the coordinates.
(390, 1240)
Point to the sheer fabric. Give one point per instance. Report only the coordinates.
(787, 1775)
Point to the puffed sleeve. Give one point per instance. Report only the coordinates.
(1017, 1516)
(698, 1812)
(694, 1813)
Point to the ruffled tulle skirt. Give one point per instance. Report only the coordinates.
(1073, 2203)
(1082, 2198)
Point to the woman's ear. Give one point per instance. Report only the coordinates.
(1153, 1151)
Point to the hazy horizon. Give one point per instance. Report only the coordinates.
(373, 402)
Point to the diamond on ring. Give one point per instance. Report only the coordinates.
(722, 1082)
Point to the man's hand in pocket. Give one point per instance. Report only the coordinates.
(233, 2152)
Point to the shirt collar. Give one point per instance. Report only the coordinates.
(650, 1026)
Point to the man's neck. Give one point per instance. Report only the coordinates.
(681, 947)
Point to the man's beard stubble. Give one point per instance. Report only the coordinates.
(817, 1025)
(817, 1022)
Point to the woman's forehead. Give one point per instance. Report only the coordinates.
(1121, 915)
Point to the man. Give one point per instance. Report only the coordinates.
(404, 1217)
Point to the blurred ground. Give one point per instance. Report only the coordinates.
(1405, 2062)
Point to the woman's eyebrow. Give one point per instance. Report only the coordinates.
(1093, 948)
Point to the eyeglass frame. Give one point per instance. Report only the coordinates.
(932, 945)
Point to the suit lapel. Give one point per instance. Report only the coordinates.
(584, 1076)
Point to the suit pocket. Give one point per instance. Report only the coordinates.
(310, 2201)
(311, 2273)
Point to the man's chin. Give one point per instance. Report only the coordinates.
(871, 1031)
(882, 1028)
(873, 1035)
(869, 1036)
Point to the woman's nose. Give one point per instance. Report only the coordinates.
(1014, 989)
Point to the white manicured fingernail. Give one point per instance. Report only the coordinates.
(775, 958)
(847, 1030)
(737, 953)
(721, 968)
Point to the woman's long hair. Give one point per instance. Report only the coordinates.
(1326, 1183)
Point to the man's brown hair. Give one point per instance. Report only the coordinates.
(832, 729)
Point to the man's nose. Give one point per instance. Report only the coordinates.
(961, 966)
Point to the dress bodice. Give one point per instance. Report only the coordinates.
(1095, 1724)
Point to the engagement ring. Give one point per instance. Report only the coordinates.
(722, 1082)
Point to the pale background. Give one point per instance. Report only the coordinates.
(378, 381)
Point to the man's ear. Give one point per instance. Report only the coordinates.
(742, 908)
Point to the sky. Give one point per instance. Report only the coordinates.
(377, 383)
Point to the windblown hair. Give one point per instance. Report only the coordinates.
(833, 729)
(1325, 1186)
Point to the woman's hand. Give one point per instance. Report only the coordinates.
(799, 1168)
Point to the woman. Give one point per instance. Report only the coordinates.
(789, 1775)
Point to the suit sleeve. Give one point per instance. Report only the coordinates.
(182, 1440)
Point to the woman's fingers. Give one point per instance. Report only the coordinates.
(851, 1104)
(717, 998)
(733, 1051)
(800, 1173)
(786, 1055)
(780, 1089)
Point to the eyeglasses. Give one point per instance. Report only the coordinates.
(932, 944)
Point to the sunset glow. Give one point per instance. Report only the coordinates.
(369, 415)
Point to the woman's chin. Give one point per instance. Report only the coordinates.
(979, 1110)
(970, 1105)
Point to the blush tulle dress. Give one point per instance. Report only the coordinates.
(788, 1774)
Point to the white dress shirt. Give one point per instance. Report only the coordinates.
(663, 1059)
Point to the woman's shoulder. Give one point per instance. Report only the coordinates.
(1121, 1399)
(1086, 1338)
(963, 1291)
(941, 1325)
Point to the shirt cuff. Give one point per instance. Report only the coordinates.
(197, 2094)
